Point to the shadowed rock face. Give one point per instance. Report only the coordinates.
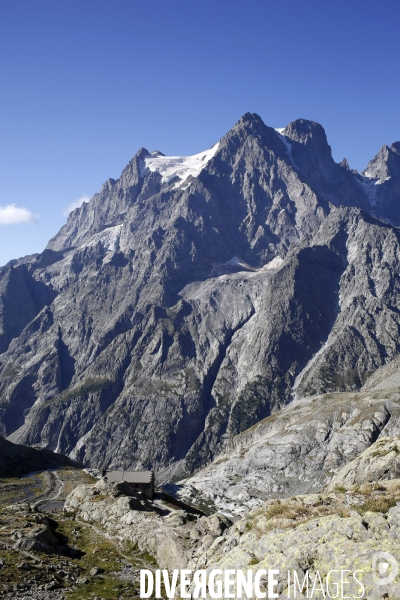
(169, 315)
(383, 173)
(22, 297)
(17, 460)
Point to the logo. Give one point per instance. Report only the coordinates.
(384, 568)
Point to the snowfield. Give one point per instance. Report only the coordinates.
(183, 167)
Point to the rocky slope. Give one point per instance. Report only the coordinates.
(193, 297)
(58, 557)
(343, 527)
(312, 535)
(172, 536)
(97, 547)
(298, 450)
(337, 438)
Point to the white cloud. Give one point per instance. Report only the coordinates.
(12, 215)
(76, 204)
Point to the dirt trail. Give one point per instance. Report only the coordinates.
(52, 489)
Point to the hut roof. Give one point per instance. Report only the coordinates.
(129, 476)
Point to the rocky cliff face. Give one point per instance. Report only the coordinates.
(195, 296)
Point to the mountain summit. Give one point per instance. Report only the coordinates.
(194, 296)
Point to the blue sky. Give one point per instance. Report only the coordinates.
(85, 84)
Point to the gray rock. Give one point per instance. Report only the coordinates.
(24, 566)
(297, 536)
(40, 537)
(96, 571)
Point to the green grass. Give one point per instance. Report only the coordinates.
(91, 385)
(378, 505)
(12, 489)
(99, 552)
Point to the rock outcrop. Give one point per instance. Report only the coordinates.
(379, 462)
(172, 536)
(312, 535)
(39, 536)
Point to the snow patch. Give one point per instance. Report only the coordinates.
(235, 261)
(368, 182)
(369, 188)
(238, 265)
(109, 238)
(370, 176)
(286, 143)
(274, 264)
(183, 167)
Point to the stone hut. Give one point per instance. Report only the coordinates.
(140, 481)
